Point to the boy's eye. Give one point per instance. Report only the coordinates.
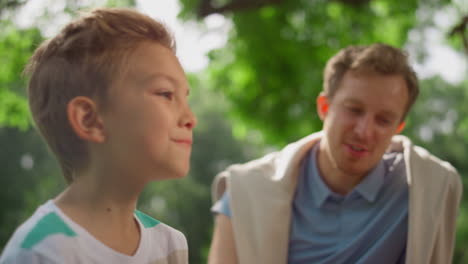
(168, 95)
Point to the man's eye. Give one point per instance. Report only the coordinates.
(384, 121)
(354, 110)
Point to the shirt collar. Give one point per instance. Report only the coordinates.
(368, 188)
(320, 190)
(371, 184)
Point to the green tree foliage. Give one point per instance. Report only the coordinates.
(267, 77)
(15, 48)
(271, 67)
(26, 168)
(438, 123)
(10, 4)
(29, 177)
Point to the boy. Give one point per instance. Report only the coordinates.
(110, 98)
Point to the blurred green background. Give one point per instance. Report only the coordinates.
(256, 95)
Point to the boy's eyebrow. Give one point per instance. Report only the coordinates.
(154, 76)
(158, 75)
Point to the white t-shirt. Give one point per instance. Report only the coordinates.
(49, 236)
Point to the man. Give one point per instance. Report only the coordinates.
(353, 193)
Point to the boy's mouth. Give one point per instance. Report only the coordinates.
(187, 142)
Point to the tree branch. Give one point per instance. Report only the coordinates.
(355, 3)
(460, 29)
(207, 7)
(10, 4)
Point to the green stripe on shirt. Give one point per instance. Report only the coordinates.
(146, 220)
(48, 225)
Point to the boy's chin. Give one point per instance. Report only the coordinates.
(181, 172)
(179, 175)
(171, 174)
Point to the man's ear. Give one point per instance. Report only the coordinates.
(400, 127)
(85, 120)
(322, 106)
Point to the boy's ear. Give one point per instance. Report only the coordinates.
(400, 127)
(322, 106)
(85, 120)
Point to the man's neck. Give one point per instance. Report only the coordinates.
(337, 180)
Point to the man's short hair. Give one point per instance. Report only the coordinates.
(378, 58)
(86, 58)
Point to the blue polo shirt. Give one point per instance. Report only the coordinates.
(367, 226)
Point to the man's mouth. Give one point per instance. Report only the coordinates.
(358, 149)
(355, 148)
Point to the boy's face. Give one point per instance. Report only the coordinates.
(362, 117)
(148, 122)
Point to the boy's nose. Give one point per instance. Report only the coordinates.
(188, 120)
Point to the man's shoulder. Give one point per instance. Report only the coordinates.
(425, 167)
(438, 170)
(428, 158)
(255, 169)
(271, 169)
(263, 164)
(272, 160)
(416, 155)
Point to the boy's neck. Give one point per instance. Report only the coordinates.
(100, 194)
(105, 208)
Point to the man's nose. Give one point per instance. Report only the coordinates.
(364, 127)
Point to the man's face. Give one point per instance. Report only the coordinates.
(361, 119)
(149, 122)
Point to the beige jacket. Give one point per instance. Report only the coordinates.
(262, 190)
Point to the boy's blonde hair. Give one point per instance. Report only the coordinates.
(378, 58)
(86, 58)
